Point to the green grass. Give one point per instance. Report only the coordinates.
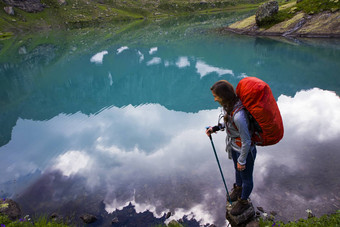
(332, 220)
(306, 6)
(281, 16)
(28, 222)
(317, 6)
(5, 35)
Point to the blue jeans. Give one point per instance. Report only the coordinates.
(245, 178)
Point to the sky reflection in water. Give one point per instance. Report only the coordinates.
(177, 170)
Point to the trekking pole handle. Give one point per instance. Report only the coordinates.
(207, 127)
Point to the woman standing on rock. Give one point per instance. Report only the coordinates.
(239, 145)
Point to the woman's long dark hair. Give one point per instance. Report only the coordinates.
(226, 92)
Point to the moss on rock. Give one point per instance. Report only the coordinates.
(293, 20)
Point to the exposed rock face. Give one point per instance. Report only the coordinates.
(266, 11)
(31, 6)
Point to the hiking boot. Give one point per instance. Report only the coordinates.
(235, 193)
(241, 206)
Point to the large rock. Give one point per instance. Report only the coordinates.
(244, 218)
(266, 11)
(31, 6)
(10, 208)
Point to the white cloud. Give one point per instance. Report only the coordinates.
(121, 49)
(153, 50)
(72, 162)
(141, 56)
(182, 62)
(294, 169)
(154, 61)
(98, 58)
(199, 212)
(204, 69)
(314, 112)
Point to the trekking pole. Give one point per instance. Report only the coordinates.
(219, 166)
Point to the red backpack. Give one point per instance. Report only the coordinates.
(257, 97)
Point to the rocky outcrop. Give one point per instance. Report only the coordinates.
(31, 6)
(243, 219)
(266, 11)
(10, 208)
(324, 24)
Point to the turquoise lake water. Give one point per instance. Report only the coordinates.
(92, 116)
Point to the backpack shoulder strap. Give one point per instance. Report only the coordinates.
(233, 113)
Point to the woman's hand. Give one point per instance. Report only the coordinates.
(240, 167)
(209, 131)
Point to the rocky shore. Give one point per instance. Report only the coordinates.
(97, 217)
(325, 24)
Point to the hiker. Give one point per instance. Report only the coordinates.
(239, 144)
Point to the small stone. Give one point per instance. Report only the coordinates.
(168, 215)
(56, 218)
(9, 10)
(22, 50)
(62, 2)
(88, 218)
(115, 220)
(260, 209)
(273, 213)
(54, 215)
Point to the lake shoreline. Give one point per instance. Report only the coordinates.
(294, 19)
(12, 210)
(301, 26)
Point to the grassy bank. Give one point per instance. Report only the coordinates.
(310, 7)
(332, 220)
(28, 222)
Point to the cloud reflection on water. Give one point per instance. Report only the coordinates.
(301, 172)
(98, 58)
(161, 160)
(204, 69)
